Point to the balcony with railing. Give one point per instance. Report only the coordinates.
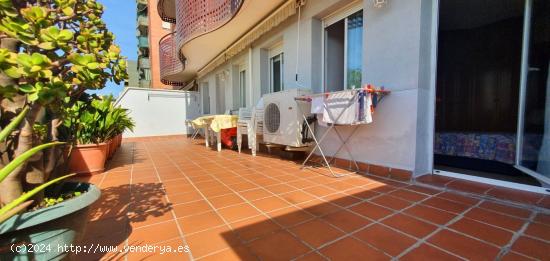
(171, 62)
(207, 29)
(144, 63)
(143, 42)
(167, 10)
(142, 21)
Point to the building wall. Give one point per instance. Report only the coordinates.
(159, 112)
(156, 32)
(397, 45)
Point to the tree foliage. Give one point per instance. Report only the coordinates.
(66, 48)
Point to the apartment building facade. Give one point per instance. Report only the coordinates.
(470, 91)
(150, 29)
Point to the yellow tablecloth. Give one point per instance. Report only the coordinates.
(216, 122)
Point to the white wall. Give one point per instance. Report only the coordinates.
(159, 112)
(397, 55)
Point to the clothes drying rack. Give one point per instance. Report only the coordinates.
(377, 96)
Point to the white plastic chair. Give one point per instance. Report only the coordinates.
(251, 123)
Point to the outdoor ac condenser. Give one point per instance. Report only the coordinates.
(283, 120)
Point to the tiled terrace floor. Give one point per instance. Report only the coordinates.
(226, 206)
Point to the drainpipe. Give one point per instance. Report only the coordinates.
(250, 94)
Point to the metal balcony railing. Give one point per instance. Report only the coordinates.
(143, 21)
(167, 10)
(171, 62)
(143, 42)
(144, 63)
(194, 18)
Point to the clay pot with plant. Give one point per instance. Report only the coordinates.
(95, 123)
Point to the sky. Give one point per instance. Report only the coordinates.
(120, 17)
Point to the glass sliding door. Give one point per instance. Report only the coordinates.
(533, 154)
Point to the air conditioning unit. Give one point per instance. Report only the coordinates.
(283, 120)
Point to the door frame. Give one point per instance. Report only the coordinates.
(521, 102)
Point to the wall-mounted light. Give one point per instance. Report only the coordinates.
(380, 3)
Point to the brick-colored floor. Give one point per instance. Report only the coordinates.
(229, 206)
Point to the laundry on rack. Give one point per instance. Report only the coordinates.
(317, 104)
(341, 108)
(364, 108)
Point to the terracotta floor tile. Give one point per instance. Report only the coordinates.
(185, 197)
(225, 200)
(385, 239)
(352, 249)
(371, 211)
(458, 198)
(508, 210)
(236, 253)
(255, 194)
(341, 199)
(313, 256)
(318, 208)
(191, 208)
(270, 204)
(269, 247)
(408, 195)
(513, 256)
(430, 214)
(423, 189)
(154, 233)
(238, 212)
(543, 219)
(140, 219)
(391, 202)
(208, 242)
(469, 186)
(436, 180)
(200, 222)
(410, 225)
(216, 191)
(319, 191)
(427, 252)
(346, 220)
(280, 188)
(361, 193)
(296, 197)
(316, 232)
(532, 247)
(515, 195)
(290, 216)
(446, 205)
(495, 219)
(464, 246)
(482, 231)
(539, 231)
(254, 227)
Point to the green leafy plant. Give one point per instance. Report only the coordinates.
(51, 52)
(97, 120)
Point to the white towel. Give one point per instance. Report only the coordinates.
(367, 113)
(317, 104)
(341, 108)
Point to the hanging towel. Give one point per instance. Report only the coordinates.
(317, 104)
(364, 111)
(340, 108)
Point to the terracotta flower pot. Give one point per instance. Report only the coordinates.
(89, 158)
(119, 140)
(112, 147)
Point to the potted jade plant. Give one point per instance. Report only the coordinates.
(51, 52)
